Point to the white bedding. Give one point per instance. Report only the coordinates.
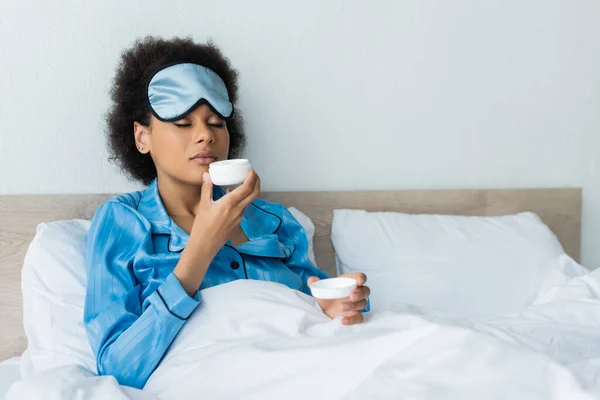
(259, 340)
(9, 374)
(465, 265)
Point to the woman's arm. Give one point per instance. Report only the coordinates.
(349, 308)
(128, 337)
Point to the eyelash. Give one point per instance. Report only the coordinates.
(188, 125)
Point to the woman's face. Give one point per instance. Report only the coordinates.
(183, 149)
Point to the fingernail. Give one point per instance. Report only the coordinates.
(354, 297)
(345, 321)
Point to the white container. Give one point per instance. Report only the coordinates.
(229, 172)
(333, 288)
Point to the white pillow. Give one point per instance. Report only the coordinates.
(470, 266)
(53, 283)
(309, 227)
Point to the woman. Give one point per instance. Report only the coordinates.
(150, 252)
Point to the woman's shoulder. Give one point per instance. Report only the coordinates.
(117, 228)
(270, 206)
(287, 219)
(278, 209)
(121, 210)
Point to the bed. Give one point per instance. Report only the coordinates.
(559, 209)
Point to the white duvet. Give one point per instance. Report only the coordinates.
(259, 340)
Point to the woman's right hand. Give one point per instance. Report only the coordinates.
(212, 227)
(215, 220)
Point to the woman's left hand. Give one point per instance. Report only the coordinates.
(349, 307)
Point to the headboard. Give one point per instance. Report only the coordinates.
(560, 209)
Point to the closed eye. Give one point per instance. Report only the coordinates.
(183, 125)
(218, 125)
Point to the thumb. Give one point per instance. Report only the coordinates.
(206, 193)
(312, 280)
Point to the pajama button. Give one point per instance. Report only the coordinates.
(235, 265)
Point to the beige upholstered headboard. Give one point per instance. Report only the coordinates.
(19, 215)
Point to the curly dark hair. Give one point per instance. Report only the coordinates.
(128, 94)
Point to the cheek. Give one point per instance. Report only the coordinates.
(168, 146)
(224, 144)
(169, 141)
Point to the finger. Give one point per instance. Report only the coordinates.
(359, 277)
(253, 196)
(349, 314)
(250, 180)
(257, 184)
(360, 293)
(206, 191)
(355, 306)
(356, 319)
(244, 190)
(312, 280)
(256, 191)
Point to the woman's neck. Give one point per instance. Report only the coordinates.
(179, 198)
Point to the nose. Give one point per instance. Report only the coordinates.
(204, 134)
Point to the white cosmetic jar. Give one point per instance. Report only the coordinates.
(332, 288)
(229, 172)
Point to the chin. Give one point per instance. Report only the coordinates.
(196, 176)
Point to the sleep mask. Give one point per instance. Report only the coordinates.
(175, 90)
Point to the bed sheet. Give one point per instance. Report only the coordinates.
(280, 345)
(259, 340)
(9, 374)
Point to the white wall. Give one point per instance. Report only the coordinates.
(336, 94)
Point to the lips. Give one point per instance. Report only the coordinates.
(203, 158)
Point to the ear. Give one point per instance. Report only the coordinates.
(140, 133)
